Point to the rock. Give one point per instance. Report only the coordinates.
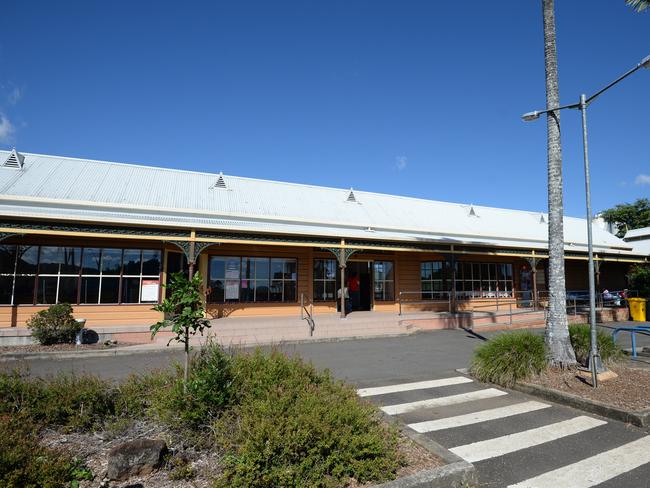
(139, 457)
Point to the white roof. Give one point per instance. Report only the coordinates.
(63, 188)
(636, 233)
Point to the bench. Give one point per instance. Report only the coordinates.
(632, 329)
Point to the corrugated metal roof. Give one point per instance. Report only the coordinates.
(60, 187)
(635, 233)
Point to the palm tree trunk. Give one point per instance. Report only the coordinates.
(557, 330)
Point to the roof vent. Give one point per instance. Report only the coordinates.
(14, 160)
(542, 220)
(472, 212)
(221, 183)
(351, 197)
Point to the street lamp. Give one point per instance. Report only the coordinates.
(595, 364)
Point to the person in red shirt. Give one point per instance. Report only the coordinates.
(353, 289)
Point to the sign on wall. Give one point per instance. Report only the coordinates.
(150, 290)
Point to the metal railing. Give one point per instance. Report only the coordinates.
(516, 304)
(307, 313)
(522, 299)
(436, 297)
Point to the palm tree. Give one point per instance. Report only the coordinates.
(560, 351)
(638, 5)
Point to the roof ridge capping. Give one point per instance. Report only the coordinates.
(15, 160)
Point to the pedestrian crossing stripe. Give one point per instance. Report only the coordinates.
(478, 417)
(443, 401)
(419, 385)
(595, 469)
(499, 446)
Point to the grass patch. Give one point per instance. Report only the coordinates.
(509, 357)
(580, 335)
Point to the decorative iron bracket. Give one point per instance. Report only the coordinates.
(187, 248)
(7, 235)
(533, 262)
(337, 253)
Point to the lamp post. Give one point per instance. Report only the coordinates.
(595, 364)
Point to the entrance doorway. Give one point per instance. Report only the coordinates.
(362, 270)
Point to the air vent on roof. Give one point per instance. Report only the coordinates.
(472, 212)
(221, 183)
(351, 197)
(542, 220)
(14, 160)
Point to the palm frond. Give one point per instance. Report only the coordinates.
(638, 5)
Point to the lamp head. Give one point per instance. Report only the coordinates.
(645, 62)
(527, 117)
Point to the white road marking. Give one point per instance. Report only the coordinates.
(420, 385)
(594, 470)
(478, 417)
(491, 448)
(443, 401)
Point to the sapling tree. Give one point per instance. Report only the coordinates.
(184, 312)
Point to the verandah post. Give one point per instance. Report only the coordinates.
(342, 288)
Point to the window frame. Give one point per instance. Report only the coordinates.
(324, 281)
(79, 275)
(269, 280)
(384, 281)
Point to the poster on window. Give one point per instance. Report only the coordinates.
(149, 292)
(232, 290)
(232, 269)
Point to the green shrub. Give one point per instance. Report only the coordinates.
(509, 357)
(297, 427)
(136, 395)
(72, 402)
(25, 463)
(55, 325)
(581, 341)
(209, 391)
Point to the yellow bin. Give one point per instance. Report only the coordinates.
(637, 309)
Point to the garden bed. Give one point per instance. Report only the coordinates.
(187, 467)
(628, 391)
(245, 420)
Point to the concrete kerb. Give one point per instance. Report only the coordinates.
(640, 418)
(154, 347)
(456, 473)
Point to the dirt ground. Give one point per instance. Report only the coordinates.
(92, 449)
(628, 391)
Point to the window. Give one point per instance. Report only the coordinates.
(18, 268)
(57, 274)
(252, 279)
(473, 280)
(384, 280)
(433, 282)
(324, 280)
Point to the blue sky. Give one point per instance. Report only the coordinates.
(416, 98)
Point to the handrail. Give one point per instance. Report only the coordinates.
(307, 314)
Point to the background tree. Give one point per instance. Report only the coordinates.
(184, 312)
(557, 338)
(639, 5)
(628, 216)
(639, 278)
